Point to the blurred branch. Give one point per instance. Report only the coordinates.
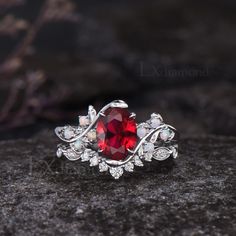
(51, 10)
(18, 53)
(61, 10)
(9, 25)
(25, 101)
(33, 102)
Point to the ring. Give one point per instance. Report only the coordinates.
(112, 140)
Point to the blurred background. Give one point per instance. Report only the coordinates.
(176, 58)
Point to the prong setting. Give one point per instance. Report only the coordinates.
(102, 114)
(130, 151)
(133, 115)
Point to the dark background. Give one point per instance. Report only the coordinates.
(176, 58)
(172, 57)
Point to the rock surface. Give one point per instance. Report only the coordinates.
(43, 195)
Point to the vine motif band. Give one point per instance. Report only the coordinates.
(112, 140)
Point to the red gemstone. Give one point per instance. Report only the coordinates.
(116, 133)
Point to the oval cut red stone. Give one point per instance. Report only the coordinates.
(116, 133)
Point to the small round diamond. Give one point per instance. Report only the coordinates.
(129, 167)
(103, 167)
(137, 161)
(116, 172)
(148, 156)
(86, 155)
(94, 161)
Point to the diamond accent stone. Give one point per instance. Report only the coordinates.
(161, 154)
(103, 166)
(94, 161)
(86, 155)
(129, 167)
(148, 156)
(137, 161)
(71, 155)
(116, 172)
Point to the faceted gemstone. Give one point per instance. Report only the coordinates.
(116, 133)
(94, 161)
(116, 172)
(103, 167)
(161, 154)
(129, 167)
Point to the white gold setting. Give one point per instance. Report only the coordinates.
(156, 141)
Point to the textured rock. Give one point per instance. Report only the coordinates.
(43, 195)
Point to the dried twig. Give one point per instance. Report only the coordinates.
(21, 109)
(9, 66)
(52, 10)
(10, 26)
